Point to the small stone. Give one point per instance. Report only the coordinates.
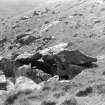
(23, 70)
(53, 79)
(2, 79)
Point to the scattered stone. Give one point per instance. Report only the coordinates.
(15, 26)
(26, 40)
(36, 13)
(24, 18)
(10, 99)
(100, 89)
(3, 41)
(18, 37)
(59, 95)
(14, 55)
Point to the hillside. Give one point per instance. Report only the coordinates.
(81, 24)
(82, 20)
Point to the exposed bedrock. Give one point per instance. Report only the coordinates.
(67, 64)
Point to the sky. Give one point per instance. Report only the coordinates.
(18, 1)
(15, 7)
(29, 1)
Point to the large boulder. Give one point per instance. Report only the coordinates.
(75, 57)
(68, 63)
(71, 63)
(23, 70)
(24, 83)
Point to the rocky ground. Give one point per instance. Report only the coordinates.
(54, 55)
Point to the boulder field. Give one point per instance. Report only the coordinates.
(39, 67)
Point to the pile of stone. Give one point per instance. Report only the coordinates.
(35, 68)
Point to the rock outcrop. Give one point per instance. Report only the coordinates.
(67, 64)
(75, 57)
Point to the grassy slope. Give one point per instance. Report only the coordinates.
(83, 24)
(81, 21)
